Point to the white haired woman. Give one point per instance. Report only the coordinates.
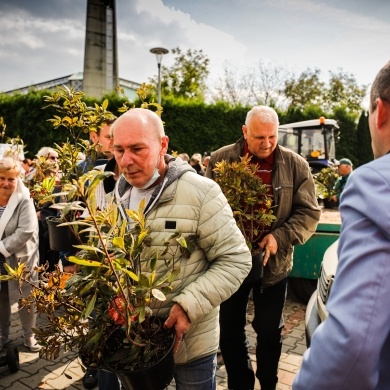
(18, 240)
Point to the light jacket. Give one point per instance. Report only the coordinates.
(297, 211)
(19, 229)
(194, 205)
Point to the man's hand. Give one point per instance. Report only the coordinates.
(71, 269)
(179, 319)
(270, 246)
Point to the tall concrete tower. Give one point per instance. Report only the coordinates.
(100, 56)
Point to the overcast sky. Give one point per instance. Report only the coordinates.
(44, 39)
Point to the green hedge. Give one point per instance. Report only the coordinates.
(192, 127)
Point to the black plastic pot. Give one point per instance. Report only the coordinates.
(62, 238)
(154, 377)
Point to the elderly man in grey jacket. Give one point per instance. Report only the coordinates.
(291, 184)
(180, 200)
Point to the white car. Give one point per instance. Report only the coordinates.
(316, 311)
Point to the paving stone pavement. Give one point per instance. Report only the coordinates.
(39, 373)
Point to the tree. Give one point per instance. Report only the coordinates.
(341, 90)
(260, 85)
(230, 89)
(265, 84)
(363, 140)
(344, 91)
(346, 147)
(186, 78)
(307, 89)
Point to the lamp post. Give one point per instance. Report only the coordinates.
(159, 52)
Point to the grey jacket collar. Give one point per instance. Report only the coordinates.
(176, 168)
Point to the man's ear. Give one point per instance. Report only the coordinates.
(164, 145)
(383, 113)
(94, 137)
(244, 131)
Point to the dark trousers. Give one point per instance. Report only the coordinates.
(268, 325)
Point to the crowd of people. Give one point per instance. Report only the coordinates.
(208, 310)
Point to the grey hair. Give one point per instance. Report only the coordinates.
(264, 113)
(147, 116)
(196, 157)
(380, 87)
(46, 151)
(9, 164)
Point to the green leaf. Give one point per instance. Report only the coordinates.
(131, 274)
(144, 280)
(87, 287)
(90, 306)
(89, 248)
(182, 242)
(86, 263)
(119, 242)
(10, 270)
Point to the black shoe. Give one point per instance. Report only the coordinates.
(90, 379)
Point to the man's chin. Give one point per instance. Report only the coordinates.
(131, 179)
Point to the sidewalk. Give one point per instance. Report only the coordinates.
(39, 373)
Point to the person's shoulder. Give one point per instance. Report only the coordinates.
(222, 153)
(377, 169)
(291, 155)
(202, 183)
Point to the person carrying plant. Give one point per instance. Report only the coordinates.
(179, 200)
(297, 213)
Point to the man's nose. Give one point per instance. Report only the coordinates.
(127, 158)
(266, 144)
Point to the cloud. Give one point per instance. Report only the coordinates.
(150, 23)
(41, 40)
(350, 17)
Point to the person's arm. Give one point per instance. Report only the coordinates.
(225, 249)
(301, 218)
(27, 224)
(346, 349)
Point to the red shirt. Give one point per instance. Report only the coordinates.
(265, 166)
(264, 172)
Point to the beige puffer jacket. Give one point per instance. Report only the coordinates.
(192, 204)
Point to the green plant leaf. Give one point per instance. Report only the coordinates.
(86, 263)
(90, 307)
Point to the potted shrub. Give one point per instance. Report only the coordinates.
(249, 199)
(117, 292)
(117, 289)
(324, 181)
(50, 180)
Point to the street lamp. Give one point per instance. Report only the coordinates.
(159, 52)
